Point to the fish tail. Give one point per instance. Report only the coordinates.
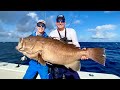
(97, 54)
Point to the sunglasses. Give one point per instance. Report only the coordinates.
(60, 20)
(41, 25)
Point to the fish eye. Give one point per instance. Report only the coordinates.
(29, 39)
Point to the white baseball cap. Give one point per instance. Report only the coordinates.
(41, 21)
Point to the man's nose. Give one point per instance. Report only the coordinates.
(60, 22)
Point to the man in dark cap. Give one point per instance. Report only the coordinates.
(67, 35)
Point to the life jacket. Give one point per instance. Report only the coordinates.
(43, 35)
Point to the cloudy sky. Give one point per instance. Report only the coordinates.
(90, 26)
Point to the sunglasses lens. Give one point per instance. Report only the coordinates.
(60, 20)
(40, 25)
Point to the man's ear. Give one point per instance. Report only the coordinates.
(56, 23)
(65, 23)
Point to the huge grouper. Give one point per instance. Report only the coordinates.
(57, 52)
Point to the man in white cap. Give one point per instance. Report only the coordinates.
(34, 66)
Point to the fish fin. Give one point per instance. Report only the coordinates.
(74, 65)
(40, 60)
(97, 54)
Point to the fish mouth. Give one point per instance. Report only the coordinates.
(26, 52)
(20, 46)
(19, 49)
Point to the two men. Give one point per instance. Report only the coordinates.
(66, 35)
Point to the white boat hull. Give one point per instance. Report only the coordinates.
(10, 71)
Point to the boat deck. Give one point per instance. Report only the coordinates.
(11, 71)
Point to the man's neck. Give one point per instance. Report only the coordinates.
(60, 29)
(39, 33)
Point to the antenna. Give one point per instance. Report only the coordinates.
(73, 17)
(70, 22)
(75, 25)
(45, 15)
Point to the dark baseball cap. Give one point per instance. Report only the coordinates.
(60, 17)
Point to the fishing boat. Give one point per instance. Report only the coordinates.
(13, 71)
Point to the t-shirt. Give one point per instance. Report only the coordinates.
(70, 34)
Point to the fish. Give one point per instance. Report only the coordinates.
(55, 51)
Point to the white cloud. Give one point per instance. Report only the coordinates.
(103, 27)
(52, 16)
(11, 16)
(77, 22)
(110, 35)
(49, 20)
(50, 23)
(106, 27)
(103, 32)
(22, 23)
(99, 35)
(26, 24)
(33, 15)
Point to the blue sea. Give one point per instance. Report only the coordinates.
(8, 53)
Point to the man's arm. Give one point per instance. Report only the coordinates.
(53, 35)
(75, 42)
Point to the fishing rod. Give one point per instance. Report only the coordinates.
(23, 58)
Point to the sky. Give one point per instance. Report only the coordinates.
(90, 26)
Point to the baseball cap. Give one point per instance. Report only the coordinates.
(41, 21)
(60, 17)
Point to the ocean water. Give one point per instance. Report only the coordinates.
(8, 53)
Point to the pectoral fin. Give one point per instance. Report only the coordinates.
(40, 60)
